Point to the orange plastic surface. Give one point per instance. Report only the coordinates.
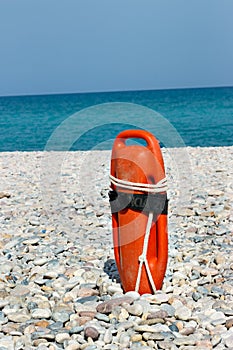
(143, 164)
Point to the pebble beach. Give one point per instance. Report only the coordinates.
(59, 285)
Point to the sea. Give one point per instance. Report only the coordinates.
(197, 117)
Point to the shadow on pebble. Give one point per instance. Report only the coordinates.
(110, 269)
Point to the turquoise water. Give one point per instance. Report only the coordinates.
(201, 117)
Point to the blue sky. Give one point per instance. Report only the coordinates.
(55, 46)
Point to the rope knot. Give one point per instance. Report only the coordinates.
(141, 258)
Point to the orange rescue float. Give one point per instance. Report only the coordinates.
(138, 201)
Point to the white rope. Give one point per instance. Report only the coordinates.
(161, 186)
(143, 259)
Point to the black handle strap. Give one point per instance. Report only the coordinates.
(158, 202)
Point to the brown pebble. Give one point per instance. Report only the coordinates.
(90, 314)
(83, 320)
(205, 344)
(4, 195)
(107, 306)
(42, 324)
(91, 332)
(229, 323)
(47, 288)
(179, 325)
(152, 321)
(157, 314)
(187, 330)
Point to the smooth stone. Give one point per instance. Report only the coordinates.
(4, 195)
(9, 327)
(41, 313)
(218, 315)
(32, 241)
(6, 268)
(107, 306)
(86, 292)
(3, 319)
(198, 239)
(229, 341)
(209, 272)
(229, 323)
(7, 343)
(220, 259)
(196, 296)
(91, 347)
(62, 337)
(132, 294)
(136, 337)
(42, 333)
(160, 298)
(91, 332)
(187, 330)
(202, 290)
(61, 315)
(153, 329)
(50, 275)
(218, 321)
(228, 312)
(34, 222)
(183, 313)
(87, 299)
(114, 289)
(124, 340)
(40, 261)
(215, 192)
(102, 317)
(76, 329)
(156, 336)
(185, 212)
(59, 250)
(40, 281)
(169, 309)
(108, 336)
(166, 345)
(32, 305)
(157, 314)
(55, 326)
(123, 315)
(86, 285)
(216, 339)
(135, 309)
(188, 340)
(124, 325)
(173, 327)
(3, 303)
(18, 317)
(217, 290)
(73, 346)
(42, 323)
(20, 291)
(195, 275)
(152, 321)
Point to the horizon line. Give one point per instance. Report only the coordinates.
(115, 91)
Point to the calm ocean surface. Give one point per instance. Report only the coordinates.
(200, 117)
